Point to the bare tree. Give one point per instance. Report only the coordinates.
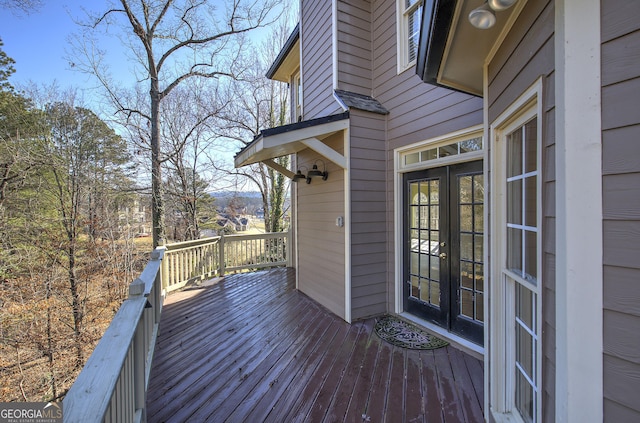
(261, 103)
(173, 42)
(187, 133)
(21, 6)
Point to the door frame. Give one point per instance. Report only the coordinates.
(400, 169)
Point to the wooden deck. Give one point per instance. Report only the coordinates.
(251, 348)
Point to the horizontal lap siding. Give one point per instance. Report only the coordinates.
(321, 252)
(527, 54)
(354, 46)
(317, 68)
(621, 208)
(368, 217)
(417, 111)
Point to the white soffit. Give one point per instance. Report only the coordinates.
(468, 47)
(289, 65)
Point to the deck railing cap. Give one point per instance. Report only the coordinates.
(137, 287)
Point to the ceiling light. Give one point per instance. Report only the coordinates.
(482, 17)
(499, 5)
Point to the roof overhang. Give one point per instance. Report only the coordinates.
(292, 138)
(451, 51)
(288, 59)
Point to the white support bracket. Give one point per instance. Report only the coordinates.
(278, 168)
(328, 152)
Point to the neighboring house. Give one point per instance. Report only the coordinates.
(238, 224)
(135, 220)
(481, 182)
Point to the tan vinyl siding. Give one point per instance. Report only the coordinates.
(321, 244)
(527, 54)
(317, 60)
(354, 46)
(621, 208)
(417, 111)
(368, 215)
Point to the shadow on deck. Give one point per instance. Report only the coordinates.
(251, 348)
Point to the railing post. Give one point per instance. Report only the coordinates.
(221, 256)
(139, 369)
(287, 249)
(164, 270)
(137, 290)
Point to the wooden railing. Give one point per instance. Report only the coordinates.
(112, 385)
(189, 261)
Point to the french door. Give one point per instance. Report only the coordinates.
(443, 247)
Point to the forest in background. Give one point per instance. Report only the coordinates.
(75, 195)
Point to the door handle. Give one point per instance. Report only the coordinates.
(443, 256)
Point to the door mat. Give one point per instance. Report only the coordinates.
(406, 335)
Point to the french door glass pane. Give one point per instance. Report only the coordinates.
(478, 186)
(466, 218)
(466, 192)
(470, 209)
(480, 307)
(434, 298)
(478, 215)
(466, 303)
(424, 261)
(424, 290)
(466, 275)
(435, 268)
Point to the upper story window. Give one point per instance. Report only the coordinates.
(409, 17)
(296, 97)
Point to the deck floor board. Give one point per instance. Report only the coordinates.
(252, 348)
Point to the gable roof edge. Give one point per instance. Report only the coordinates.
(286, 49)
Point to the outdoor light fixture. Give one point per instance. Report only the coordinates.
(315, 172)
(484, 17)
(499, 5)
(299, 175)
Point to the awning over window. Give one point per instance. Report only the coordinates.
(289, 139)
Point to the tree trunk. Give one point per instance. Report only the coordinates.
(49, 352)
(157, 205)
(76, 305)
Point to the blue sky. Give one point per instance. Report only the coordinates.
(38, 42)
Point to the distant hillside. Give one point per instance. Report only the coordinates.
(236, 194)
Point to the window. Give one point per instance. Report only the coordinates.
(516, 251)
(296, 97)
(522, 262)
(409, 17)
(448, 148)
